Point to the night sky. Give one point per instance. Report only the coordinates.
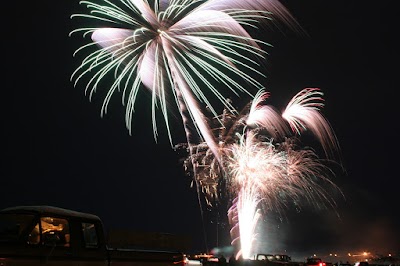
(58, 151)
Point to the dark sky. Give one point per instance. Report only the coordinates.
(59, 151)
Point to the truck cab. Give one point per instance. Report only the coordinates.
(37, 235)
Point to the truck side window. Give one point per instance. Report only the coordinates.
(89, 235)
(55, 231)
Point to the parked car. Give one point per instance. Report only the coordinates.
(361, 263)
(342, 264)
(315, 261)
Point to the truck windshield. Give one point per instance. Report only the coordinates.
(13, 226)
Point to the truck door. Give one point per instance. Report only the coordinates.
(93, 251)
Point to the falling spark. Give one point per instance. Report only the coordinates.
(302, 113)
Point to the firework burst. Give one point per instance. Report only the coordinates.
(264, 166)
(187, 52)
(183, 51)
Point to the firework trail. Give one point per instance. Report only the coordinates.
(264, 167)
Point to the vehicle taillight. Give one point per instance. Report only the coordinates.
(182, 262)
(322, 264)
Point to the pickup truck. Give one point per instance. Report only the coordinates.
(47, 235)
